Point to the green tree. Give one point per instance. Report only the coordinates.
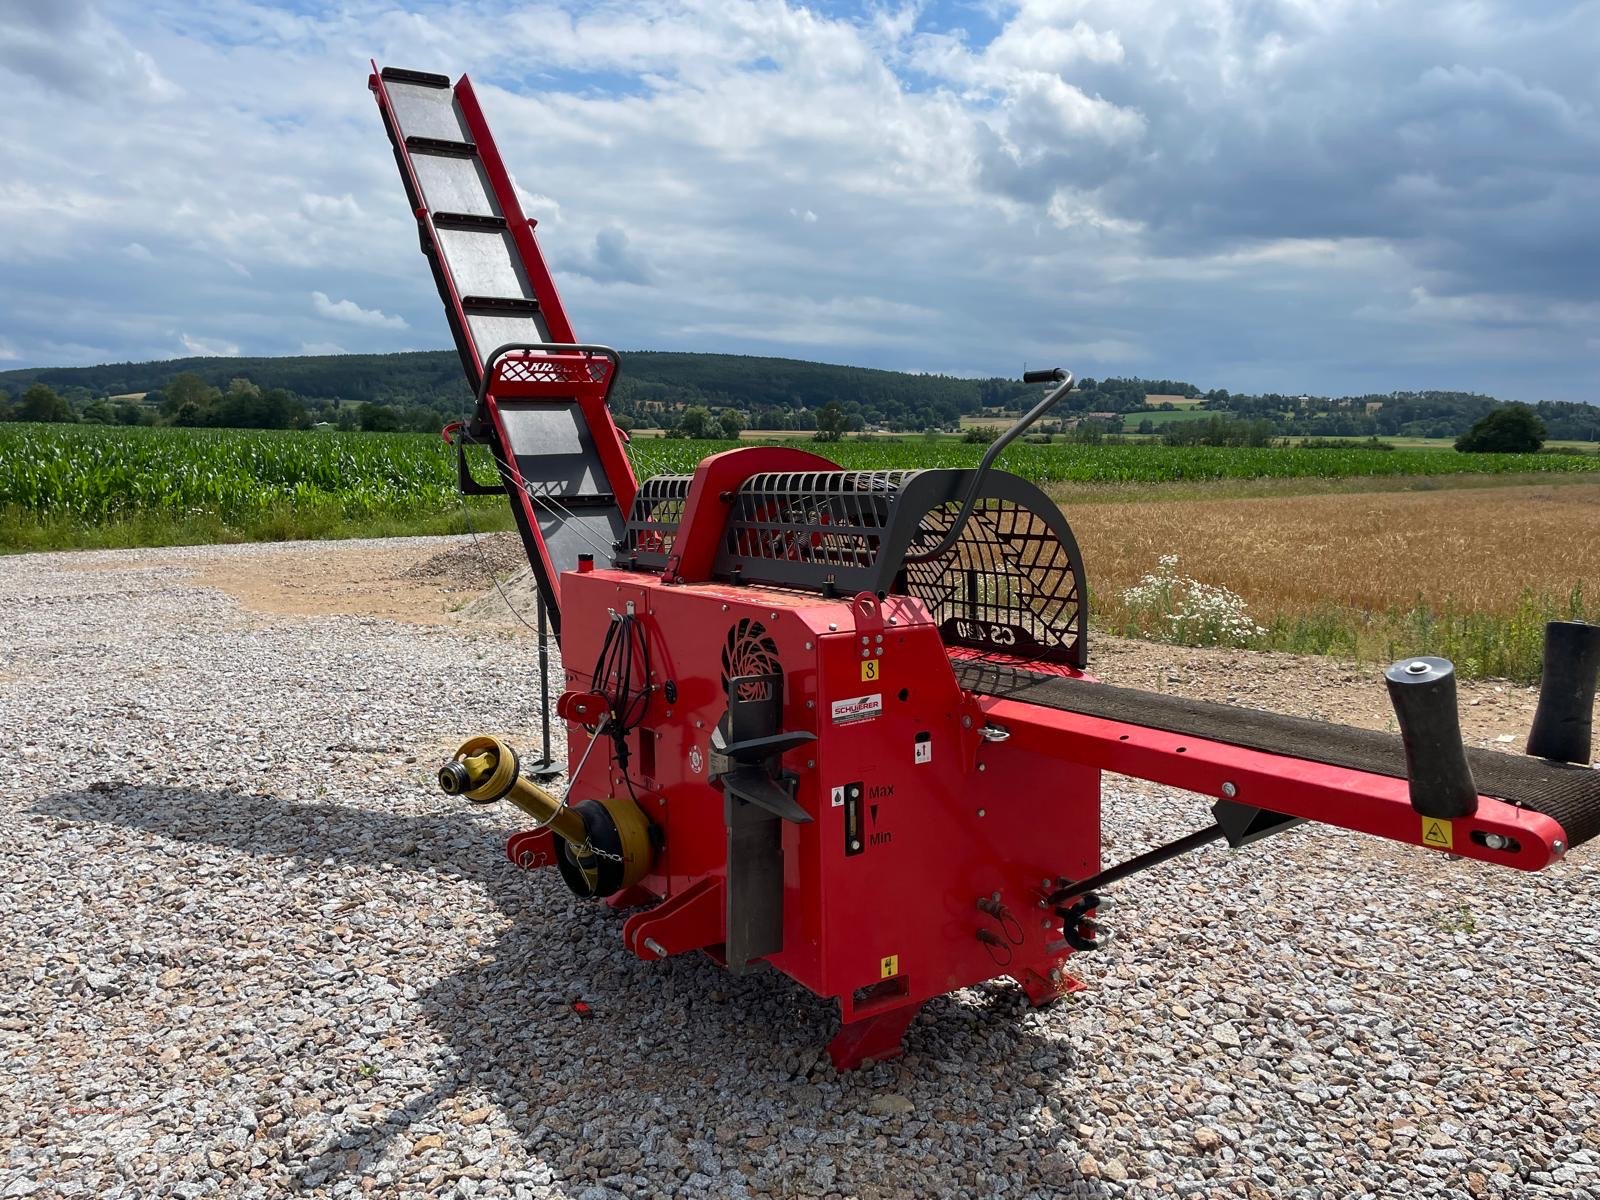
(187, 391)
(100, 412)
(731, 422)
(832, 421)
(40, 403)
(695, 422)
(1513, 429)
(379, 418)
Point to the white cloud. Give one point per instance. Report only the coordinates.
(138, 252)
(208, 347)
(352, 313)
(1133, 183)
(321, 348)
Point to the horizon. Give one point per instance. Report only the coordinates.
(1339, 201)
(451, 352)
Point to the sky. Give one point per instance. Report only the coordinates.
(1326, 196)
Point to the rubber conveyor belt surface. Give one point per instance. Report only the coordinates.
(1569, 795)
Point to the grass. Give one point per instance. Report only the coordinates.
(1469, 573)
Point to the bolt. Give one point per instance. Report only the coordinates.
(724, 608)
(879, 638)
(894, 620)
(811, 762)
(966, 722)
(833, 627)
(808, 645)
(811, 703)
(995, 896)
(982, 767)
(854, 792)
(774, 616)
(1494, 841)
(1417, 668)
(1045, 923)
(1055, 974)
(1229, 790)
(855, 845)
(655, 947)
(983, 812)
(866, 641)
(1558, 846)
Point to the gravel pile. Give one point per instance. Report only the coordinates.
(249, 951)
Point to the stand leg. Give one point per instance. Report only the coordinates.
(1042, 991)
(876, 1037)
(545, 768)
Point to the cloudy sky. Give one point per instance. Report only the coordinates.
(1323, 195)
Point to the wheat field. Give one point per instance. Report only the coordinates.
(1471, 573)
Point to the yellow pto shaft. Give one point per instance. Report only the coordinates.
(604, 845)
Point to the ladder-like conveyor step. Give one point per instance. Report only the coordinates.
(541, 398)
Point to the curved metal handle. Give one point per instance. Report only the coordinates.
(1000, 443)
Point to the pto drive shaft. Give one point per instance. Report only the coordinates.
(603, 846)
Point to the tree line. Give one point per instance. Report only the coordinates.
(702, 395)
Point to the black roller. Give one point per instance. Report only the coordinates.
(1563, 726)
(1423, 691)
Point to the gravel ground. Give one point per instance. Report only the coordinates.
(248, 951)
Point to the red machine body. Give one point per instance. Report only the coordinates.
(852, 707)
(916, 818)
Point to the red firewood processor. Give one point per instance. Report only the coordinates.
(838, 722)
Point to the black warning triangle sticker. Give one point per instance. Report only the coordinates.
(1436, 832)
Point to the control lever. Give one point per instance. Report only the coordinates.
(1063, 381)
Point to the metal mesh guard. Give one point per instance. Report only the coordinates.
(826, 519)
(1006, 585)
(653, 520)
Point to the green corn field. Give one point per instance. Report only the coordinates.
(64, 485)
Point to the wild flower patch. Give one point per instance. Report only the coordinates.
(1172, 607)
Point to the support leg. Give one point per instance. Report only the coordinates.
(1042, 991)
(876, 1037)
(690, 920)
(545, 769)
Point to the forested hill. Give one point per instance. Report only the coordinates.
(421, 390)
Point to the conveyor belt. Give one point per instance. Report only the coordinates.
(1570, 795)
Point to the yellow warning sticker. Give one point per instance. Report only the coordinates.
(889, 966)
(1437, 832)
(871, 669)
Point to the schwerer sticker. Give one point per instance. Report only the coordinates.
(857, 708)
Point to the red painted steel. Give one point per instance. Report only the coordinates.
(521, 228)
(961, 835)
(424, 216)
(517, 378)
(705, 512)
